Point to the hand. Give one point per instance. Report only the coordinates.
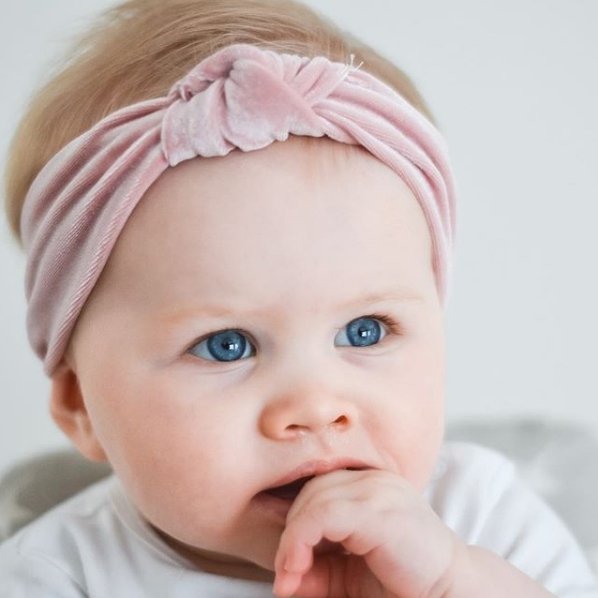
(389, 542)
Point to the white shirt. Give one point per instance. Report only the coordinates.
(97, 545)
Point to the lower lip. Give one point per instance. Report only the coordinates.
(273, 506)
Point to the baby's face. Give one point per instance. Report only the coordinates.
(316, 260)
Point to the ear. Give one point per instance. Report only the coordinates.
(70, 413)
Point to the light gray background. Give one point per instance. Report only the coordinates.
(514, 86)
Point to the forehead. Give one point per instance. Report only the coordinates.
(304, 211)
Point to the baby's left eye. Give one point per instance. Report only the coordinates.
(361, 332)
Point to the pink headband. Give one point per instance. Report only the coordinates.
(240, 97)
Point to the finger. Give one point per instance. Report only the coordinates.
(285, 583)
(371, 486)
(335, 575)
(295, 558)
(342, 482)
(333, 521)
(289, 566)
(324, 580)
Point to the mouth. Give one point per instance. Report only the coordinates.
(283, 493)
(288, 491)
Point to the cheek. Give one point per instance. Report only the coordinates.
(414, 414)
(182, 470)
(162, 439)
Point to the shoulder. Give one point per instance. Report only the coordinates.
(469, 459)
(468, 476)
(479, 494)
(476, 490)
(97, 544)
(30, 574)
(50, 552)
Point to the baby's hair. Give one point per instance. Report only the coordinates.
(138, 49)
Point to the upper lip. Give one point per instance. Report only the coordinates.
(318, 467)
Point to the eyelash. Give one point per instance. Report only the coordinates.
(392, 325)
(393, 328)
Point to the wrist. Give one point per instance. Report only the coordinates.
(480, 572)
(457, 577)
(462, 580)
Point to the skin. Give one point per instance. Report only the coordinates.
(287, 244)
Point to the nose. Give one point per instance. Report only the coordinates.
(306, 409)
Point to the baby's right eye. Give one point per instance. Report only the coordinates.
(227, 345)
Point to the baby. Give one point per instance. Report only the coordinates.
(238, 223)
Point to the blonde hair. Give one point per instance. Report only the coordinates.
(138, 49)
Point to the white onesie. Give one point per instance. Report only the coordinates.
(97, 545)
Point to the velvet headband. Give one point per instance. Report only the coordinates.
(240, 97)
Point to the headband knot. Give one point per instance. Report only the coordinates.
(246, 98)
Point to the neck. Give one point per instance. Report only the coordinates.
(217, 563)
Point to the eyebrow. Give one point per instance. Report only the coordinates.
(184, 314)
(397, 296)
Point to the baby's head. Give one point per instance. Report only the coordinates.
(263, 315)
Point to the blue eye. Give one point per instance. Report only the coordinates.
(228, 345)
(361, 332)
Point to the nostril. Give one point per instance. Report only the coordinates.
(295, 427)
(341, 421)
